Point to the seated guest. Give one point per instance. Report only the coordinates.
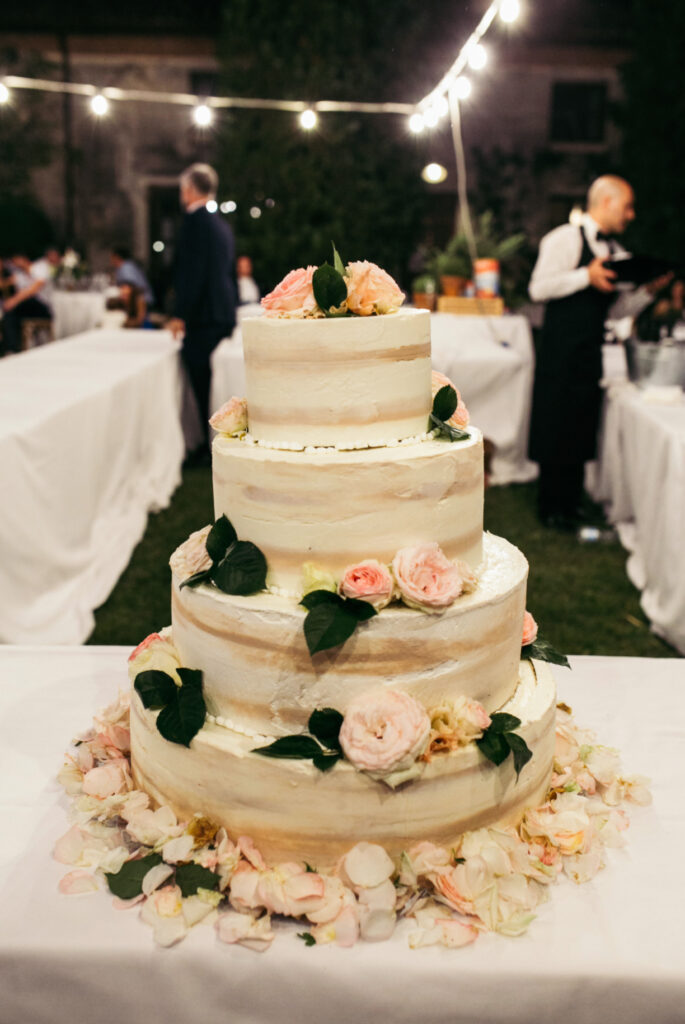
(248, 290)
(32, 299)
(126, 271)
(134, 305)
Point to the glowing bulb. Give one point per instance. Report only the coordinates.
(509, 10)
(431, 117)
(442, 106)
(255, 212)
(99, 105)
(203, 115)
(416, 123)
(228, 207)
(4, 93)
(462, 87)
(158, 246)
(434, 173)
(270, 203)
(212, 205)
(308, 119)
(478, 57)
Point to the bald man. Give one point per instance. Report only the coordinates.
(580, 292)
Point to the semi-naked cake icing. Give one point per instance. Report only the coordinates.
(336, 464)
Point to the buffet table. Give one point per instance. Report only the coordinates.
(607, 951)
(90, 442)
(76, 312)
(490, 360)
(641, 479)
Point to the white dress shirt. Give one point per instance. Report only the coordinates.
(557, 274)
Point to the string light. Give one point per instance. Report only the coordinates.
(308, 119)
(434, 173)
(255, 212)
(462, 88)
(478, 57)
(509, 10)
(4, 93)
(99, 105)
(431, 117)
(228, 207)
(212, 205)
(203, 115)
(158, 246)
(416, 123)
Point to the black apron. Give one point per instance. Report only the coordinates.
(567, 398)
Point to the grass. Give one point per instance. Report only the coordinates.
(579, 593)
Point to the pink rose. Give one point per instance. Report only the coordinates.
(426, 578)
(157, 651)
(384, 731)
(371, 290)
(368, 581)
(231, 418)
(460, 416)
(191, 556)
(530, 630)
(294, 296)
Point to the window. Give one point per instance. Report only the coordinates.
(578, 111)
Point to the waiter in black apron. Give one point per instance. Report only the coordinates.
(570, 276)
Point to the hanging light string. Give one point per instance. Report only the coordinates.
(424, 114)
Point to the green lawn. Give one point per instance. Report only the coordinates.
(579, 593)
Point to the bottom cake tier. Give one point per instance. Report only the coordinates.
(293, 811)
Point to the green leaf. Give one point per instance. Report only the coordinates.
(316, 597)
(196, 579)
(324, 761)
(493, 746)
(543, 651)
(337, 262)
(190, 677)
(445, 403)
(450, 432)
(502, 722)
(183, 717)
(155, 688)
(325, 723)
(309, 869)
(220, 538)
(191, 877)
(330, 290)
(328, 625)
(242, 571)
(291, 747)
(520, 749)
(307, 938)
(127, 882)
(361, 610)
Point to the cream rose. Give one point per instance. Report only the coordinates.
(530, 630)
(371, 290)
(231, 418)
(368, 581)
(460, 416)
(384, 731)
(157, 651)
(294, 296)
(191, 556)
(427, 580)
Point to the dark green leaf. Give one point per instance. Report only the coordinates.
(502, 722)
(190, 677)
(309, 869)
(325, 761)
(361, 610)
(452, 433)
(183, 717)
(127, 882)
(307, 938)
(520, 750)
(543, 651)
(330, 290)
(316, 597)
(493, 746)
(220, 538)
(191, 877)
(155, 688)
(337, 262)
(293, 747)
(328, 625)
(196, 579)
(445, 403)
(325, 723)
(242, 571)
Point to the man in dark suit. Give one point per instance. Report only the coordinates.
(205, 305)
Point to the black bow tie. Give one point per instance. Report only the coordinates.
(601, 237)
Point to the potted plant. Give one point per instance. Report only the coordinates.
(424, 291)
(452, 266)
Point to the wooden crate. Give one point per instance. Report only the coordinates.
(473, 307)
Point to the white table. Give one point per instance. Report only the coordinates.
(90, 442)
(490, 360)
(608, 951)
(641, 479)
(76, 312)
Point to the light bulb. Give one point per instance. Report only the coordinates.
(203, 115)
(434, 173)
(509, 10)
(255, 212)
(431, 117)
(478, 57)
(462, 87)
(4, 93)
(308, 119)
(211, 205)
(416, 123)
(158, 246)
(99, 105)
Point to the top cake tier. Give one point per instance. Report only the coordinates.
(339, 381)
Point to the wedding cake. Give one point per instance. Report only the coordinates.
(345, 649)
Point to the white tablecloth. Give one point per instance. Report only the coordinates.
(609, 951)
(641, 478)
(90, 442)
(490, 360)
(76, 312)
